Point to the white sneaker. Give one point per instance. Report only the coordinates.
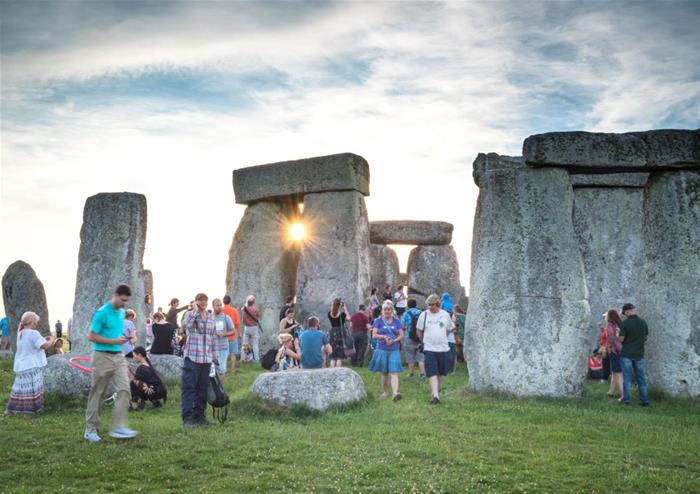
(123, 433)
(110, 399)
(92, 437)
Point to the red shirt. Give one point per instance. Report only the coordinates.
(247, 320)
(359, 322)
(233, 314)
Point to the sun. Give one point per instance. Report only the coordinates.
(297, 232)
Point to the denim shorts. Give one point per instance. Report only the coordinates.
(223, 360)
(615, 364)
(233, 346)
(435, 363)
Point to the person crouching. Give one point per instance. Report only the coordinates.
(146, 384)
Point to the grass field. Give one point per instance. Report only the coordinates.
(468, 443)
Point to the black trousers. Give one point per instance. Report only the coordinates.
(195, 384)
(360, 342)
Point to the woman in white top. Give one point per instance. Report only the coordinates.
(27, 395)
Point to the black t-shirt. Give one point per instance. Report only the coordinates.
(163, 335)
(337, 322)
(146, 374)
(635, 331)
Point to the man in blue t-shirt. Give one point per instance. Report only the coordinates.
(109, 368)
(314, 343)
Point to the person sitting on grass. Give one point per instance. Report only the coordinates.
(388, 332)
(313, 343)
(288, 355)
(27, 395)
(146, 384)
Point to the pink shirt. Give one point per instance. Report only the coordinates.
(613, 343)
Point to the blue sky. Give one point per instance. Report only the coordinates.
(167, 98)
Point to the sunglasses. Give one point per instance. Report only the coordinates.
(432, 305)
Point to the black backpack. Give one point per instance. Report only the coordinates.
(269, 360)
(218, 399)
(413, 330)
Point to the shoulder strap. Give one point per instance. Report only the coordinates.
(251, 315)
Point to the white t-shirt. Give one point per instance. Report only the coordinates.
(434, 327)
(29, 352)
(400, 300)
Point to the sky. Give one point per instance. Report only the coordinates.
(167, 98)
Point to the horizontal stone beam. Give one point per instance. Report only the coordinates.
(335, 172)
(601, 152)
(635, 180)
(410, 232)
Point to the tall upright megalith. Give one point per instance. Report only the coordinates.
(22, 291)
(669, 299)
(528, 315)
(262, 262)
(384, 264)
(607, 219)
(335, 258)
(112, 243)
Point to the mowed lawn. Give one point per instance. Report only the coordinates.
(468, 443)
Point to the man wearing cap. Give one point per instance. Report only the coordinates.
(633, 335)
(432, 327)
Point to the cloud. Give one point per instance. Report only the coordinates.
(167, 98)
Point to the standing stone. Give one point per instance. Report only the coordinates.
(335, 258)
(528, 315)
(608, 226)
(262, 262)
(147, 282)
(385, 266)
(434, 269)
(670, 296)
(22, 291)
(112, 241)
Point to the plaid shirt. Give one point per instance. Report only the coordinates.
(202, 345)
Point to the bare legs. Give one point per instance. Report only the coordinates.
(394, 378)
(615, 384)
(435, 382)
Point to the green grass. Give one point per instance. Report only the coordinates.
(467, 444)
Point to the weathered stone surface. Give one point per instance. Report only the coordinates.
(610, 180)
(147, 282)
(62, 378)
(640, 151)
(112, 241)
(169, 367)
(434, 269)
(608, 226)
(385, 266)
(335, 172)
(528, 315)
(315, 389)
(669, 298)
(262, 262)
(335, 258)
(410, 232)
(22, 291)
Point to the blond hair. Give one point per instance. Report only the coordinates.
(284, 338)
(130, 314)
(28, 319)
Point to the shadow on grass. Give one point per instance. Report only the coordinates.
(254, 406)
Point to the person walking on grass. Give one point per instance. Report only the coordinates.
(201, 350)
(388, 333)
(614, 346)
(359, 323)
(109, 368)
(27, 395)
(231, 312)
(411, 341)
(224, 329)
(251, 330)
(314, 343)
(633, 335)
(433, 326)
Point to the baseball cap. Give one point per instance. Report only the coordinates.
(432, 299)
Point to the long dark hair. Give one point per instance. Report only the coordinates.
(142, 351)
(614, 318)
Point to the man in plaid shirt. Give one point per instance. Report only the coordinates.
(201, 350)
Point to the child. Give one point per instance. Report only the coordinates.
(27, 395)
(58, 347)
(288, 355)
(145, 383)
(129, 333)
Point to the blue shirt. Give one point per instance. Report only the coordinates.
(3, 323)
(392, 330)
(108, 323)
(312, 342)
(406, 318)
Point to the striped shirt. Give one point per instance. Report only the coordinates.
(202, 346)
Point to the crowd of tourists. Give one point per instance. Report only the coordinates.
(388, 332)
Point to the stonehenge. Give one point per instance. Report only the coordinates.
(384, 264)
(585, 219)
(332, 259)
(22, 291)
(112, 242)
(410, 232)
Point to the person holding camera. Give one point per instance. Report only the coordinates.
(337, 317)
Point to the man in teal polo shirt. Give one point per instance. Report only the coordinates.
(109, 368)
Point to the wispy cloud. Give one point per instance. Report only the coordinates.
(167, 98)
